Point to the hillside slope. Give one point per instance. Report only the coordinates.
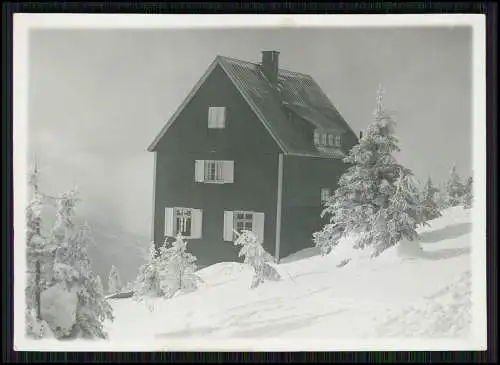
(423, 294)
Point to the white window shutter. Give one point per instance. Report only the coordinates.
(196, 223)
(169, 222)
(199, 170)
(228, 225)
(258, 226)
(228, 171)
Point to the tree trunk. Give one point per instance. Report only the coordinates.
(37, 291)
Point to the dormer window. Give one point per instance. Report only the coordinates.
(327, 139)
(316, 138)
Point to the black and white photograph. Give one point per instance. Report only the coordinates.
(235, 182)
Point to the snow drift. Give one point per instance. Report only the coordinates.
(419, 290)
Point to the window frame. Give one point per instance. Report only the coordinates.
(322, 195)
(324, 139)
(330, 140)
(338, 141)
(195, 221)
(245, 220)
(213, 120)
(317, 135)
(180, 213)
(212, 171)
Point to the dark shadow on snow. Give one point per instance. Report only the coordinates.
(445, 233)
(300, 255)
(123, 295)
(189, 332)
(446, 253)
(279, 327)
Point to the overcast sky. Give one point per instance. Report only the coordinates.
(97, 98)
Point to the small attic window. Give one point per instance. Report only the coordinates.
(216, 117)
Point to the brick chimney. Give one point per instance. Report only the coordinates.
(270, 66)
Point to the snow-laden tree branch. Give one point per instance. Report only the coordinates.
(255, 256)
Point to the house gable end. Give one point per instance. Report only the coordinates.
(216, 63)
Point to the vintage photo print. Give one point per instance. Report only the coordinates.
(249, 182)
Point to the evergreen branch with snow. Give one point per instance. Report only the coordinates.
(255, 256)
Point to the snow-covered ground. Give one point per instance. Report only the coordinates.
(403, 293)
(406, 299)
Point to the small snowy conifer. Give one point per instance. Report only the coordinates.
(148, 279)
(365, 190)
(255, 256)
(429, 206)
(179, 272)
(441, 197)
(454, 188)
(39, 259)
(72, 269)
(114, 281)
(468, 195)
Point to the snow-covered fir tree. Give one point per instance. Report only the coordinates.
(441, 197)
(429, 206)
(361, 203)
(454, 188)
(255, 256)
(169, 269)
(147, 283)
(38, 259)
(179, 272)
(72, 271)
(468, 194)
(400, 217)
(114, 281)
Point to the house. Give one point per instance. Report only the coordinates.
(252, 147)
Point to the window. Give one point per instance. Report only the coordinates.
(214, 171)
(316, 138)
(338, 141)
(237, 221)
(330, 139)
(323, 139)
(183, 221)
(186, 221)
(243, 221)
(325, 195)
(216, 117)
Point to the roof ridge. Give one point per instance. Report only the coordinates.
(258, 65)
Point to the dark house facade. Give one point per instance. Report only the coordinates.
(252, 147)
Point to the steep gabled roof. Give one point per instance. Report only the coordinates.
(295, 92)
